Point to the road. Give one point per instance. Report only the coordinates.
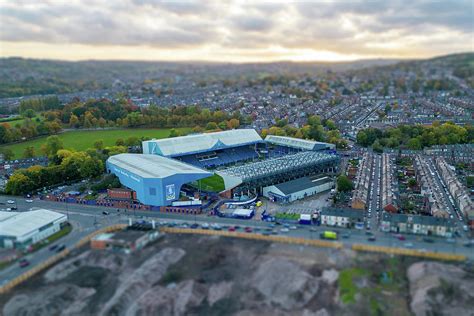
(373, 210)
(86, 219)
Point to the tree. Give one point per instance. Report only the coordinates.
(234, 123)
(52, 145)
(19, 184)
(331, 125)
(30, 113)
(29, 152)
(377, 147)
(99, 144)
(74, 121)
(7, 153)
(120, 142)
(344, 184)
(173, 133)
(211, 126)
(412, 182)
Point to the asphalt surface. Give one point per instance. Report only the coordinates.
(86, 219)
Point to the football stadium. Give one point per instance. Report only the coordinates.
(241, 159)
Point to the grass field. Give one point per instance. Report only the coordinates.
(81, 140)
(214, 183)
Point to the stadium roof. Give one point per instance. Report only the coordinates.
(153, 166)
(297, 143)
(277, 166)
(19, 224)
(192, 144)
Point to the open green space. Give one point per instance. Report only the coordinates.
(289, 216)
(347, 287)
(214, 183)
(82, 139)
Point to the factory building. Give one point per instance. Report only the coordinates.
(156, 180)
(297, 189)
(21, 229)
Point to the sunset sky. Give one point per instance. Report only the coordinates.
(235, 31)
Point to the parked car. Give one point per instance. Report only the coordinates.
(61, 248)
(29, 201)
(400, 237)
(105, 213)
(11, 202)
(53, 247)
(205, 226)
(248, 229)
(371, 238)
(429, 240)
(194, 226)
(231, 229)
(408, 245)
(24, 263)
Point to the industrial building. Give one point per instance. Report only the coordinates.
(21, 229)
(156, 180)
(297, 189)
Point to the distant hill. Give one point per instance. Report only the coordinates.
(21, 77)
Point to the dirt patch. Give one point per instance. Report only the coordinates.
(202, 275)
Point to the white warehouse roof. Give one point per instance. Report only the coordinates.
(19, 224)
(191, 144)
(153, 166)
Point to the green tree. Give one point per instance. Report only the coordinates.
(19, 184)
(7, 153)
(52, 145)
(211, 126)
(29, 152)
(412, 182)
(120, 142)
(173, 133)
(344, 184)
(377, 147)
(99, 144)
(30, 113)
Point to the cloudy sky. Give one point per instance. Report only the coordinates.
(237, 31)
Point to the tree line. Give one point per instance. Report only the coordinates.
(416, 137)
(102, 113)
(65, 166)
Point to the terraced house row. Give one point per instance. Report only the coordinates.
(361, 191)
(429, 188)
(457, 190)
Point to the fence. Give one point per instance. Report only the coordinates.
(409, 252)
(273, 238)
(52, 260)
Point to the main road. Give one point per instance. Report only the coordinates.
(86, 219)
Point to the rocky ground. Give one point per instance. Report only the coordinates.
(201, 275)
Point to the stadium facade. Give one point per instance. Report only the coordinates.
(245, 161)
